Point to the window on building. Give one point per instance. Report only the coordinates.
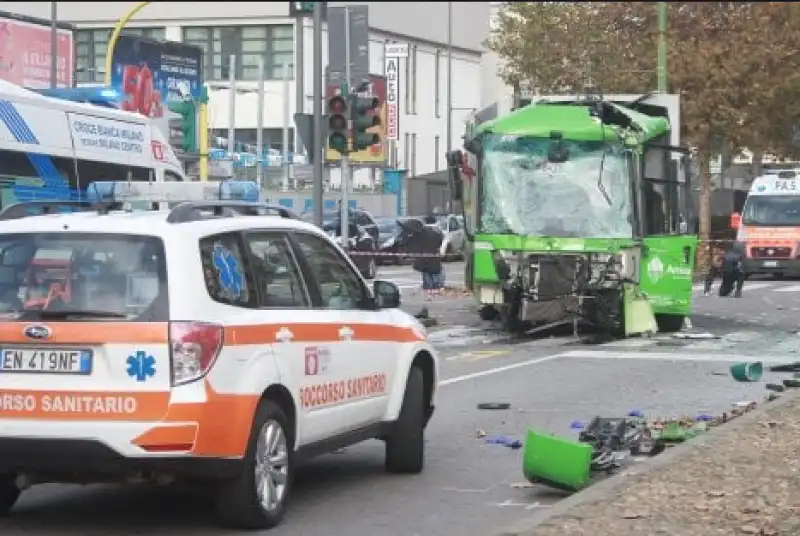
(246, 139)
(436, 153)
(409, 92)
(413, 155)
(91, 46)
(406, 151)
(273, 43)
(437, 82)
(414, 79)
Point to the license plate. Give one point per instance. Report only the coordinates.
(50, 361)
(770, 264)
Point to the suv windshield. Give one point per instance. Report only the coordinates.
(77, 275)
(773, 210)
(523, 193)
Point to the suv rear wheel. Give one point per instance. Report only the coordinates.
(9, 493)
(257, 498)
(405, 449)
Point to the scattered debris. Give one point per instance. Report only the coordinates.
(480, 433)
(522, 485)
(695, 336)
(505, 441)
(792, 384)
(429, 322)
(632, 515)
(494, 405)
(775, 387)
(747, 372)
(788, 367)
(715, 493)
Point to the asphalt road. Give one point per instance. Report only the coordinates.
(468, 487)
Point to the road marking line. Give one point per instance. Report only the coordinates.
(667, 356)
(756, 286)
(496, 370)
(791, 288)
(478, 355)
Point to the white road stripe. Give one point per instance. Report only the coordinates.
(756, 286)
(669, 356)
(790, 288)
(489, 372)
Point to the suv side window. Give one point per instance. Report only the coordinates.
(362, 219)
(339, 286)
(228, 279)
(275, 272)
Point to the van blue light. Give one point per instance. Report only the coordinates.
(171, 192)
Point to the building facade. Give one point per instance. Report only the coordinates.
(249, 30)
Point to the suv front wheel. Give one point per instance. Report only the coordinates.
(405, 448)
(9, 493)
(257, 498)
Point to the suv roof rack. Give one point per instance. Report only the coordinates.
(39, 208)
(197, 210)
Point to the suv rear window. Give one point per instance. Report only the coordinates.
(75, 276)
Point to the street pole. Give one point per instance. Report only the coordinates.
(662, 47)
(112, 40)
(318, 143)
(232, 109)
(260, 128)
(345, 170)
(286, 122)
(54, 44)
(449, 114)
(299, 76)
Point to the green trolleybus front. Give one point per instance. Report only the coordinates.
(578, 212)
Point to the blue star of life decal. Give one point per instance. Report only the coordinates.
(141, 366)
(229, 270)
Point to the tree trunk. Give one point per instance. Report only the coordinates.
(704, 165)
(758, 162)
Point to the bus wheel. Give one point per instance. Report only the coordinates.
(487, 312)
(669, 323)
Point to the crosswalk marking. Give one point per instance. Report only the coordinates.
(669, 356)
(791, 288)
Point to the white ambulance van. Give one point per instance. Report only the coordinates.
(52, 148)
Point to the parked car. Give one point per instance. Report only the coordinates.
(453, 239)
(360, 238)
(389, 239)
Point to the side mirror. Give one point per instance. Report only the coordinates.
(736, 220)
(387, 294)
(453, 159)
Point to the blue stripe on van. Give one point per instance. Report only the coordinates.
(54, 186)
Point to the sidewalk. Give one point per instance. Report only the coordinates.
(743, 478)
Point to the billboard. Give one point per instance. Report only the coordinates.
(149, 74)
(25, 53)
(375, 155)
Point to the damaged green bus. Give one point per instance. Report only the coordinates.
(577, 210)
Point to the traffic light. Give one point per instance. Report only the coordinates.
(183, 131)
(338, 137)
(365, 116)
(301, 8)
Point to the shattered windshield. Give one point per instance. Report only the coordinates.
(524, 193)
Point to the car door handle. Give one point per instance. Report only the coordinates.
(284, 335)
(345, 333)
(687, 251)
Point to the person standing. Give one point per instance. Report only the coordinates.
(423, 243)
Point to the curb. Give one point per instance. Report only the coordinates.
(610, 485)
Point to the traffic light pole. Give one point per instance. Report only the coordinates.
(317, 111)
(345, 169)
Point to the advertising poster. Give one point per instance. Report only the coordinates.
(149, 74)
(25, 54)
(392, 98)
(375, 155)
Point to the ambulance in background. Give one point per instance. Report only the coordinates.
(52, 148)
(769, 225)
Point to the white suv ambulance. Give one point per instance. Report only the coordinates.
(221, 340)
